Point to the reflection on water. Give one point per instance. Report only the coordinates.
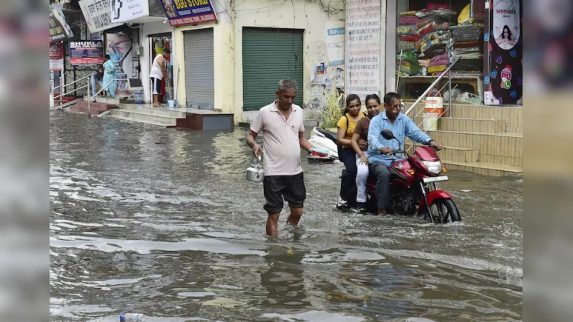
(163, 223)
(284, 280)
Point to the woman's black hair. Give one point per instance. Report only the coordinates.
(508, 32)
(350, 98)
(372, 96)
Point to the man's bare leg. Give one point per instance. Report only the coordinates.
(294, 217)
(272, 225)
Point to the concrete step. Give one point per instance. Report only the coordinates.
(512, 115)
(459, 154)
(65, 105)
(142, 117)
(107, 100)
(164, 112)
(467, 124)
(503, 148)
(81, 106)
(484, 168)
(128, 119)
(471, 125)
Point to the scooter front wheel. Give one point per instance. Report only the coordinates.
(445, 211)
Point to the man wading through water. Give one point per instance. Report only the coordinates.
(283, 128)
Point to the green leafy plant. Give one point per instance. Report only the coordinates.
(332, 111)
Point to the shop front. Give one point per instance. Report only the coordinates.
(426, 37)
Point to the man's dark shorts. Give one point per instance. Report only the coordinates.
(290, 187)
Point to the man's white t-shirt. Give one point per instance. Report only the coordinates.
(281, 145)
(156, 67)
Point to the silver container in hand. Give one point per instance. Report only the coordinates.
(255, 171)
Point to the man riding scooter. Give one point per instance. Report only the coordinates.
(381, 151)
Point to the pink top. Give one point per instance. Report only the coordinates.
(281, 146)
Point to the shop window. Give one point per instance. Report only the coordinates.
(429, 33)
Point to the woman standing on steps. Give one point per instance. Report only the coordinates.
(346, 154)
(109, 76)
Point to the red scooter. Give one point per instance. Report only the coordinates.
(413, 186)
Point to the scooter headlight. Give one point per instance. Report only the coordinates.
(434, 167)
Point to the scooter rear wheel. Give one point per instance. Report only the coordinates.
(445, 211)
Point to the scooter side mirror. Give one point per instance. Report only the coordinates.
(387, 134)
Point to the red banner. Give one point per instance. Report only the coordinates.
(57, 56)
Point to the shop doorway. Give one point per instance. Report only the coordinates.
(162, 43)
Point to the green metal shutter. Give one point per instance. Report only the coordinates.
(270, 55)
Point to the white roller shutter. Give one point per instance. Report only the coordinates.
(199, 80)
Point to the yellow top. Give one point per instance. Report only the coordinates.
(346, 120)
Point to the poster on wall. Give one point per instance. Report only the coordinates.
(86, 52)
(97, 14)
(504, 70)
(363, 46)
(335, 42)
(126, 10)
(194, 12)
(56, 56)
(119, 47)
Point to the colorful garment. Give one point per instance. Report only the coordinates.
(108, 76)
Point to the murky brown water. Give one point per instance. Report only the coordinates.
(162, 222)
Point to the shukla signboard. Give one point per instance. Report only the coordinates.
(86, 52)
(188, 12)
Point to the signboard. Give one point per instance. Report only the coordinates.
(57, 56)
(335, 42)
(59, 28)
(363, 46)
(126, 10)
(86, 52)
(97, 14)
(188, 12)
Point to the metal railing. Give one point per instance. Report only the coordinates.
(88, 83)
(412, 107)
(64, 86)
(434, 83)
(105, 87)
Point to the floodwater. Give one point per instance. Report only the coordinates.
(162, 222)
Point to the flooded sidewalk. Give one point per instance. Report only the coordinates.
(162, 222)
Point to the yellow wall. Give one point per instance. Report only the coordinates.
(297, 14)
(227, 32)
(223, 65)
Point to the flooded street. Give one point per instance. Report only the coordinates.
(162, 222)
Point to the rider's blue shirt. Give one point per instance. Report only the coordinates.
(402, 127)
